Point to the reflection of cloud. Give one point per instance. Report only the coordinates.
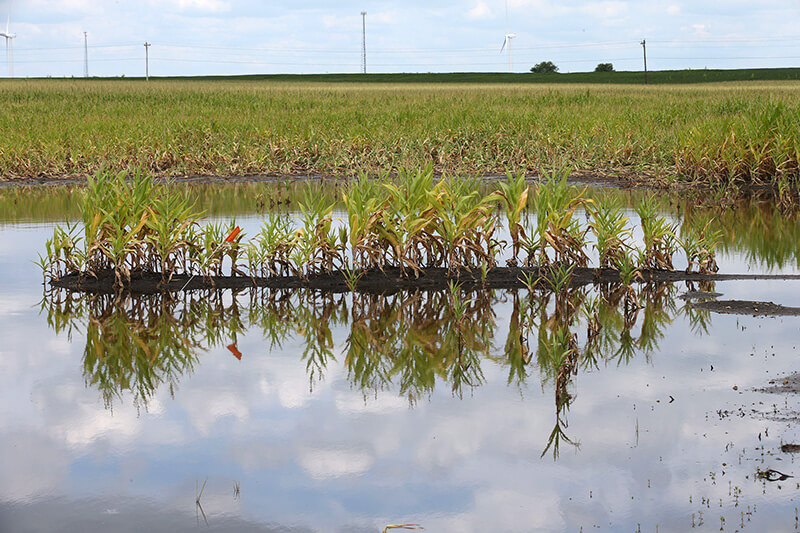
(14, 305)
(354, 403)
(206, 406)
(31, 465)
(80, 419)
(327, 463)
(505, 510)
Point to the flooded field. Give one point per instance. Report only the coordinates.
(590, 408)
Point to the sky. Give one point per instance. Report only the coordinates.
(225, 37)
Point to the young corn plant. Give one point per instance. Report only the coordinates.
(699, 243)
(168, 238)
(463, 216)
(612, 234)
(365, 202)
(514, 195)
(659, 236)
(559, 232)
(275, 242)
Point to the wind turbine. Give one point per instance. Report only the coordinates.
(507, 42)
(9, 47)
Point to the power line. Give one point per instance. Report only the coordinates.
(414, 58)
(488, 49)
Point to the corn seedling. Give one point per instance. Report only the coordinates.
(659, 236)
(612, 234)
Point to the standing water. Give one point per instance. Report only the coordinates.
(476, 411)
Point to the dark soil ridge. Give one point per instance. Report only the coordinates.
(746, 307)
(376, 281)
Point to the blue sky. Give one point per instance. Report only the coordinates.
(310, 36)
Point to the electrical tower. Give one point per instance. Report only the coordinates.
(363, 42)
(85, 55)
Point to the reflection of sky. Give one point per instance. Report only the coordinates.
(334, 460)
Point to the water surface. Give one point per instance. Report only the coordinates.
(311, 412)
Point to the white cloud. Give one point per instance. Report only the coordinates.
(213, 6)
(480, 11)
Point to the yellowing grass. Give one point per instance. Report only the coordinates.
(715, 132)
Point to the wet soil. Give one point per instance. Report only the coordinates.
(746, 307)
(699, 295)
(588, 178)
(393, 279)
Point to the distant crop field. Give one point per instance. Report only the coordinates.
(745, 131)
(622, 77)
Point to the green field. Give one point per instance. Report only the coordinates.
(742, 131)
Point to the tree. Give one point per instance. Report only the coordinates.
(604, 67)
(545, 67)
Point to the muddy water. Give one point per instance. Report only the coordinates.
(348, 413)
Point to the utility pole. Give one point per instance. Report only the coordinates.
(85, 55)
(644, 51)
(363, 42)
(147, 61)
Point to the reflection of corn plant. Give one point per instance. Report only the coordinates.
(463, 363)
(313, 323)
(558, 353)
(658, 310)
(659, 236)
(458, 303)
(516, 348)
(628, 274)
(594, 325)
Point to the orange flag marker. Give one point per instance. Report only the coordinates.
(236, 231)
(235, 351)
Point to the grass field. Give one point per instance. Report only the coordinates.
(712, 132)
